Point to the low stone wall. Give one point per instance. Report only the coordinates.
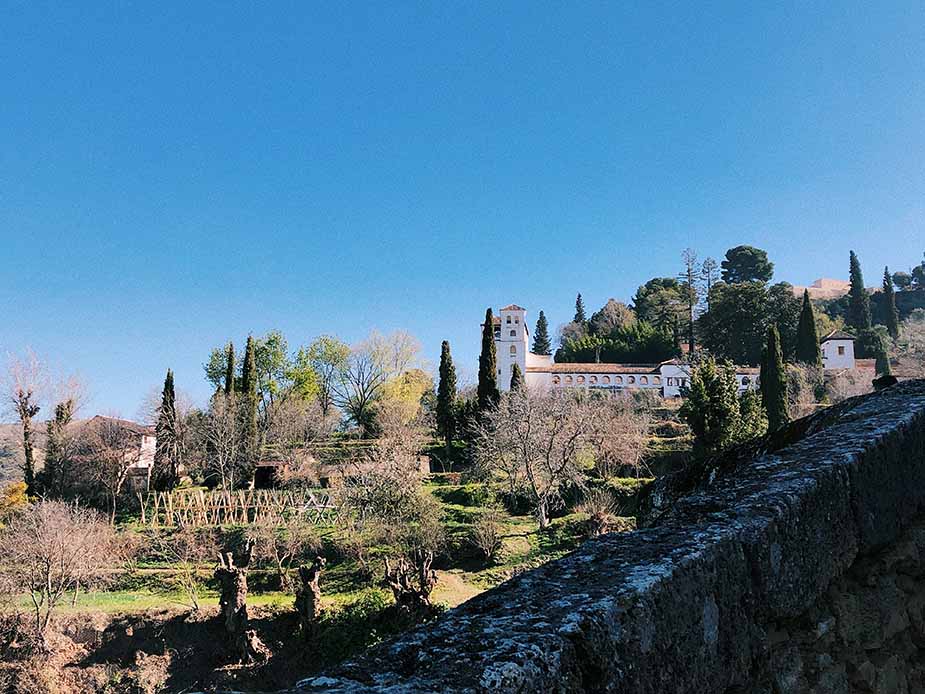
(798, 570)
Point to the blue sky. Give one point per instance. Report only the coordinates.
(175, 176)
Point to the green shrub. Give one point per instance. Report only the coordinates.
(474, 495)
(626, 491)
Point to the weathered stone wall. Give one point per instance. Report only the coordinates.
(864, 634)
(796, 569)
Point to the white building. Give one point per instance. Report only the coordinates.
(512, 344)
(837, 351)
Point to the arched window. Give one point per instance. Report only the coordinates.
(618, 379)
(657, 380)
(513, 349)
(606, 379)
(580, 379)
(513, 333)
(631, 379)
(644, 380)
(568, 380)
(746, 380)
(593, 379)
(555, 380)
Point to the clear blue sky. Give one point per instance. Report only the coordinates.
(173, 175)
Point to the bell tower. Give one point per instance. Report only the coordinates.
(511, 344)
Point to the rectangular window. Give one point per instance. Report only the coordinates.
(841, 351)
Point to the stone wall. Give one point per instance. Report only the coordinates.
(795, 568)
(864, 634)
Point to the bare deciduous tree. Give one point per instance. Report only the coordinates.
(410, 575)
(910, 347)
(108, 448)
(847, 384)
(622, 435)
(27, 386)
(535, 439)
(487, 534)
(381, 482)
(804, 386)
(51, 549)
(188, 550)
(369, 367)
(284, 545)
(221, 435)
(293, 425)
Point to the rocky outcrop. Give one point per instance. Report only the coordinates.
(794, 568)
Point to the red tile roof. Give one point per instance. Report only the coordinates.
(596, 368)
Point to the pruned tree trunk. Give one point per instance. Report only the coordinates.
(412, 582)
(308, 598)
(232, 579)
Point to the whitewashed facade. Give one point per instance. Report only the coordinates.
(512, 345)
(837, 351)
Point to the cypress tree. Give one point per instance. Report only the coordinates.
(711, 406)
(249, 401)
(858, 301)
(882, 363)
(517, 378)
(889, 308)
(807, 350)
(55, 451)
(166, 471)
(229, 370)
(580, 317)
(774, 382)
(541, 343)
(487, 391)
(446, 395)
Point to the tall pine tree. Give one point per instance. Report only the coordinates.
(229, 370)
(517, 378)
(580, 316)
(446, 395)
(249, 403)
(891, 315)
(807, 350)
(487, 392)
(541, 343)
(166, 472)
(774, 382)
(858, 300)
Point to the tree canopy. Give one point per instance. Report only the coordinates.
(614, 314)
(640, 342)
(746, 264)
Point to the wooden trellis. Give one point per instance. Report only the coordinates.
(198, 507)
